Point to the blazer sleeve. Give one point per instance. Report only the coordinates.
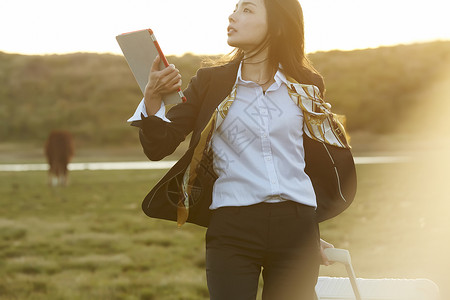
(160, 138)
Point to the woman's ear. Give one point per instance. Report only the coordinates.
(278, 31)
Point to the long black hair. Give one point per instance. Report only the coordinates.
(286, 42)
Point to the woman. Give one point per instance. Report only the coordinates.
(267, 160)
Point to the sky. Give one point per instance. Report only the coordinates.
(199, 26)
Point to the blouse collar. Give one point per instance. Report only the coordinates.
(279, 78)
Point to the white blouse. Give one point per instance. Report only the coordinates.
(258, 148)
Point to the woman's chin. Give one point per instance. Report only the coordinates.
(232, 42)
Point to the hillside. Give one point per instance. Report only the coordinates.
(93, 94)
(379, 89)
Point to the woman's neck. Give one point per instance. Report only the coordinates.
(257, 68)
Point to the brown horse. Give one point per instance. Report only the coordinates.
(59, 151)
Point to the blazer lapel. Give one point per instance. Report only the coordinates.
(218, 90)
(220, 82)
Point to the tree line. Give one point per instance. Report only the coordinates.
(93, 95)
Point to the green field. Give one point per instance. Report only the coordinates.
(90, 240)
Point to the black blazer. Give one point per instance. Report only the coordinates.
(330, 168)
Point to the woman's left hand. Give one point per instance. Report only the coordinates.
(323, 246)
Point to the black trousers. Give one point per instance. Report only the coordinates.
(281, 239)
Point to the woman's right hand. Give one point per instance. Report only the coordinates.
(159, 83)
(324, 245)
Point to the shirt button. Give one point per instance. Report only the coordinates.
(268, 158)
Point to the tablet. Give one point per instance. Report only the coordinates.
(140, 49)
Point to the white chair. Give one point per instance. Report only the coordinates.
(336, 288)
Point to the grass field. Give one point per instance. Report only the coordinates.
(90, 240)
